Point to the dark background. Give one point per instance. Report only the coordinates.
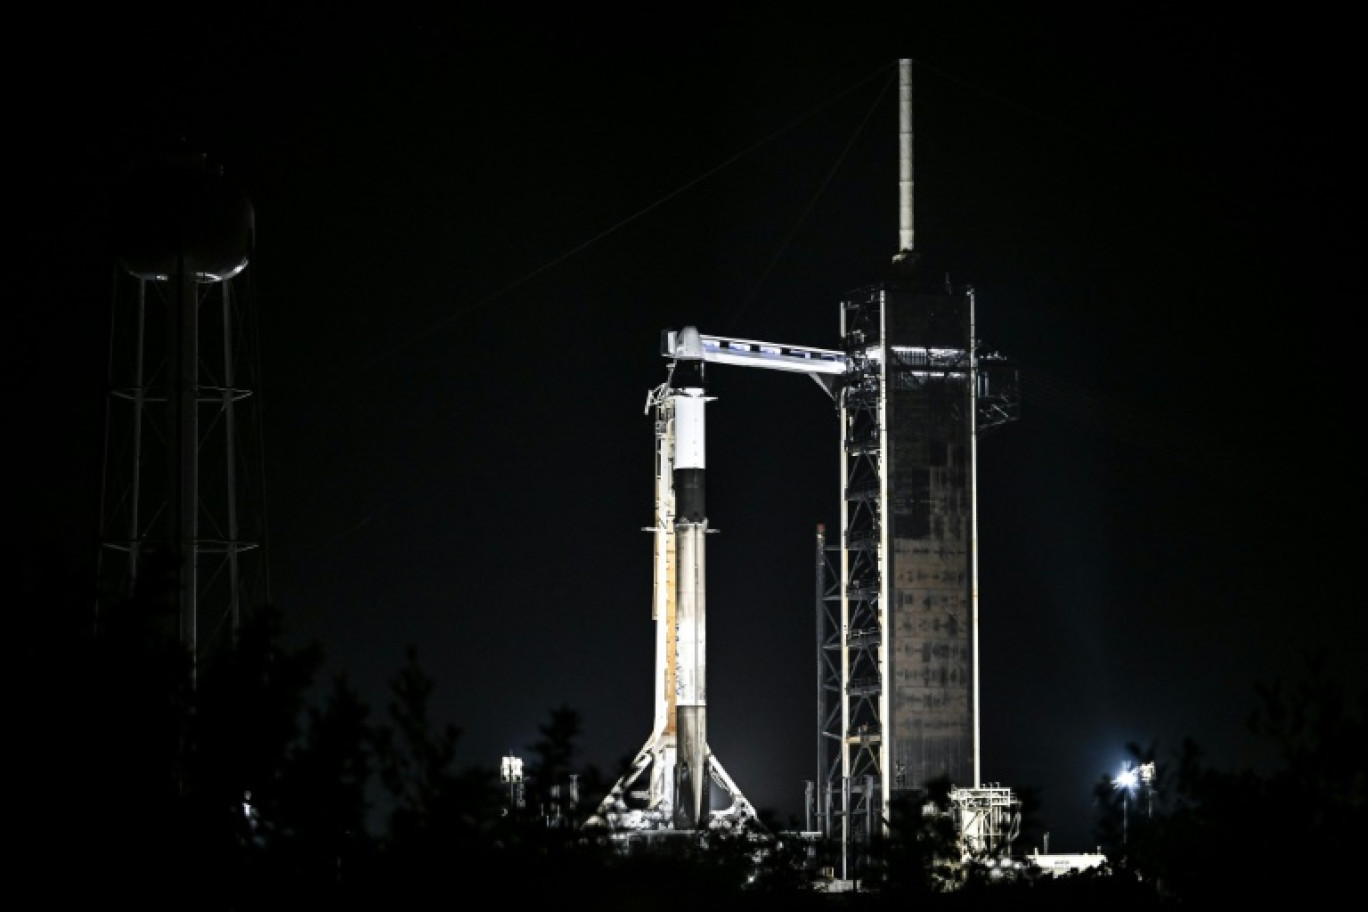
(471, 231)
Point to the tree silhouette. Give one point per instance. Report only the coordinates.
(322, 839)
(551, 792)
(104, 721)
(143, 780)
(439, 813)
(1219, 836)
(1125, 825)
(919, 856)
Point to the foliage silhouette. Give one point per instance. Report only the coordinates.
(1217, 836)
(147, 779)
(1280, 834)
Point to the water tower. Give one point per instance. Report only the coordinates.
(182, 518)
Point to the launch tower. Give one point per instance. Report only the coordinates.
(897, 592)
(898, 600)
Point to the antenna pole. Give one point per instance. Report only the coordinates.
(905, 223)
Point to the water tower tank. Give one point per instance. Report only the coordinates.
(178, 214)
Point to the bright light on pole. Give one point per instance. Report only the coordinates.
(1126, 780)
(1130, 778)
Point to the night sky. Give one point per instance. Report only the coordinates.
(470, 237)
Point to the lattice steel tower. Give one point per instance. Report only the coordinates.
(898, 594)
(182, 517)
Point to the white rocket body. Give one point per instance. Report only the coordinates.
(685, 777)
(692, 798)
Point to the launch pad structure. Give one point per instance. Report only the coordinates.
(897, 596)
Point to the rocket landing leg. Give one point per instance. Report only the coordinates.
(642, 799)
